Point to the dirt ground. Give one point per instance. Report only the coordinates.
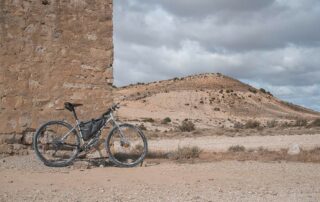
(24, 178)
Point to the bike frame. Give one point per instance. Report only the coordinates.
(109, 118)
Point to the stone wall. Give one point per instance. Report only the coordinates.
(52, 51)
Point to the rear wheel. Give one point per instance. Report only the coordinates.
(127, 146)
(56, 144)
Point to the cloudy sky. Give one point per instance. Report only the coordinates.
(274, 44)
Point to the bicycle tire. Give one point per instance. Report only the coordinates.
(113, 157)
(60, 163)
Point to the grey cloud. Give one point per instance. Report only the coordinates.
(271, 43)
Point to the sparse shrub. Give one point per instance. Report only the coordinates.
(186, 152)
(142, 127)
(252, 90)
(187, 126)
(285, 124)
(252, 124)
(216, 109)
(301, 122)
(272, 124)
(315, 123)
(221, 91)
(262, 90)
(237, 148)
(238, 125)
(151, 120)
(166, 120)
(201, 102)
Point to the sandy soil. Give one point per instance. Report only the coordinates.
(222, 143)
(25, 179)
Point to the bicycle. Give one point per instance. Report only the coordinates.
(58, 143)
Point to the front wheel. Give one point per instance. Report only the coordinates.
(126, 145)
(56, 143)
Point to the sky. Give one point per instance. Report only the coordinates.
(270, 44)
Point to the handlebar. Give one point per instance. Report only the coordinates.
(114, 107)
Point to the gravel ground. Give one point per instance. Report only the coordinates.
(24, 178)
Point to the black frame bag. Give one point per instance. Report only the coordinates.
(90, 128)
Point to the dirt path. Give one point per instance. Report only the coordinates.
(25, 179)
(222, 143)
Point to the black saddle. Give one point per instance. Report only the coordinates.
(70, 106)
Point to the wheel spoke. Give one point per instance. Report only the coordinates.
(127, 145)
(49, 146)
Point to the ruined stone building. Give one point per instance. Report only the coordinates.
(52, 51)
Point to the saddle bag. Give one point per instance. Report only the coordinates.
(90, 128)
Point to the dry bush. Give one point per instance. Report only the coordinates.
(238, 125)
(237, 148)
(252, 124)
(166, 120)
(142, 127)
(301, 122)
(187, 126)
(151, 120)
(186, 152)
(315, 123)
(157, 155)
(272, 124)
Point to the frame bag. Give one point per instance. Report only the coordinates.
(90, 128)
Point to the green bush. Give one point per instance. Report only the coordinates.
(166, 120)
(252, 90)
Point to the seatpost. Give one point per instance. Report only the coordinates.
(75, 114)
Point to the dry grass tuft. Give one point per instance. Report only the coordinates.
(183, 153)
(237, 148)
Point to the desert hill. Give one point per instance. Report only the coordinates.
(209, 100)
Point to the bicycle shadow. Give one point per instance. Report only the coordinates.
(89, 162)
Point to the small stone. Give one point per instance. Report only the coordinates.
(294, 149)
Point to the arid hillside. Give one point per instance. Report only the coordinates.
(208, 100)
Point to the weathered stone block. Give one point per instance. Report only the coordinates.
(52, 53)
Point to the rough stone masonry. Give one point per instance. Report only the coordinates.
(52, 51)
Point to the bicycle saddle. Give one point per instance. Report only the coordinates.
(70, 106)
